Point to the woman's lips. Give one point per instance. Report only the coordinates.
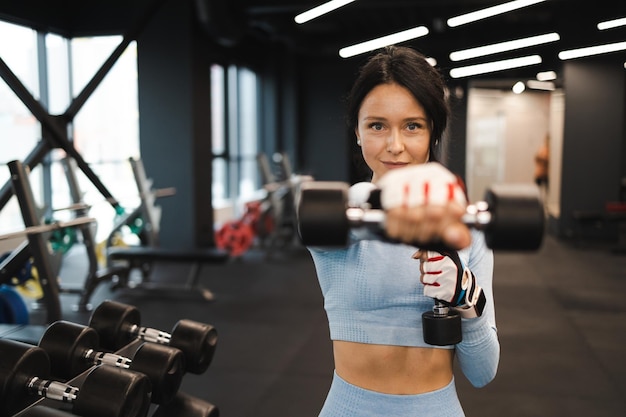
(394, 165)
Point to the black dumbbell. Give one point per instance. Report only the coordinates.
(184, 405)
(511, 216)
(118, 324)
(105, 391)
(41, 411)
(73, 348)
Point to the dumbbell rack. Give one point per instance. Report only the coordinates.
(77, 381)
(181, 400)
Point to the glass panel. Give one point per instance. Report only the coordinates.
(20, 130)
(218, 118)
(88, 55)
(248, 126)
(58, 74)
(218, 136)
(106, 129)
(20, 54)
(219, 182)
(248, 134)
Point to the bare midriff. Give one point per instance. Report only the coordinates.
(388, 369)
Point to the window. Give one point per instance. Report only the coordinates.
(20, 130)
(105, 130)
(235, 135)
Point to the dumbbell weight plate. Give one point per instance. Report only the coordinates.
(13, 306)
(41, 411)
(197, 341)
(322, 213)
(184, 405)
(517, 217)
(164, 365)
(19, 362)
(65, 343)
(442, 330)
(108, 391)
(113, 322)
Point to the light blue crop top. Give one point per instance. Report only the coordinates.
(373, 294)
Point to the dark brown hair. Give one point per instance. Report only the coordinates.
(408, 68)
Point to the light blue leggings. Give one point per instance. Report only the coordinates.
(347, 400)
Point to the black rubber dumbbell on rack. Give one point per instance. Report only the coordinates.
(511, 217)
(74, 348)
(118, 324)
(104, 391)
(41, 411)
(185, 405)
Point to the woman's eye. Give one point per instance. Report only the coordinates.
(376, 126)
(413, 126)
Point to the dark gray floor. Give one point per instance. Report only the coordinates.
(561, 316)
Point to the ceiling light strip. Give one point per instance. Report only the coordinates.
(609, 24)
(504, 46)
(495, 66)
(320, 10)
(541, 85)
(546, 76)
(490, 11)
(392, 39)
(592, 50)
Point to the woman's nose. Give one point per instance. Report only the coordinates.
(395, 144)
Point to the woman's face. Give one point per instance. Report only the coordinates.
(393, 129)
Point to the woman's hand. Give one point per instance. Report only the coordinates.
(425, 204)
(425, 225)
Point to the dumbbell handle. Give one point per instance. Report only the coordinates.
(53, 390)
(476, 215)
(151, 335)
(103, 358)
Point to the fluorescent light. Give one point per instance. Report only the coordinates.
(490, 11)
(609, 24)
(541, 85)
(320, 10)
(503, 46)
(432, 61)
(592, 50)
(495, 66)
(519, 87)
(546, 76)
(394, 38)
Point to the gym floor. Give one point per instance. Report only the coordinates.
(561, 316)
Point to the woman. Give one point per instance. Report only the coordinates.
(375, 290)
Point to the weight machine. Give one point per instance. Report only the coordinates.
(144, 257)
(270, 220)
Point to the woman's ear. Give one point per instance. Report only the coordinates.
(356, 133)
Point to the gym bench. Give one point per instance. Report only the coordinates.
(143, 258)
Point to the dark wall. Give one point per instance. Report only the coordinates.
(454, 150)
(593, 142)
(327, 148)
(174, 107)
